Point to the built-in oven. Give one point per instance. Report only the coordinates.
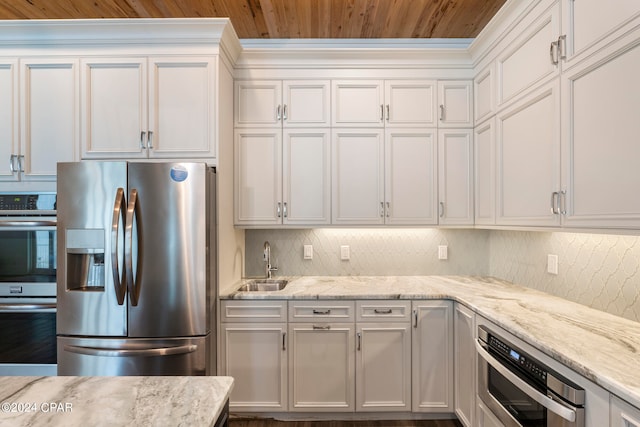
(521, 391)
(28, 284)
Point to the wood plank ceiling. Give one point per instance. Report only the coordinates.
(287, 18)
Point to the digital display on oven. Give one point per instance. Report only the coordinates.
(514, 354)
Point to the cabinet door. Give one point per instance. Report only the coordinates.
(260, 382)
(465, 364)
(526, 61)
(182, 107)
(411, 176)
(485, 173)
(358, 177)
(306, 103)
(590, 23)
(113, 108)
(600, 140)
(258, 177)
(321, 367)
(528, 145)
(432, 356)
(410, 103)
(49, 100)
(484, 99)
(357, 103)
(623, 414)
(455, 153)
(9, 131)
(383, 367)
(306, 177)
(258, 103)
(455, 107)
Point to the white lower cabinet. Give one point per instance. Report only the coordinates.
(432, 356)
(322, 356)
(321, 372)
(253, 351)
(464, 364)
(383, 356)
(623, 414)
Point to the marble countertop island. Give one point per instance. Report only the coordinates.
(599, 346)
(112, 401)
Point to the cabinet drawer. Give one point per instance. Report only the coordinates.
(253, 311)
(379, 311)
(305, 311)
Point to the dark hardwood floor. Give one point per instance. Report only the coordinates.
(245, 422)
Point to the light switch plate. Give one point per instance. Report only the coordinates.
(443, 252)
(552, 264)
(345, 253)
(308, 251)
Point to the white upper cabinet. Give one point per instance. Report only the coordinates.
(357, 103)
(485, 172)
(411, 178)
(160, 107)
(484, 99)
(528, 160)
(600, 173)
(455, 181)
(531, 57)
(390, 103)
(114, 108)
(410, 103)
(455, 106)
(358, 176)
(9, 125)
(276, 103)
(258, 177)
(49, 103)
(590, 24)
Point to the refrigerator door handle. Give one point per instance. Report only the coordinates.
(118, 213)
(134, 291)
(143, 352)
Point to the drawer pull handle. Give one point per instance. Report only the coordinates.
(381, 311)
(322, 327)
(323, 312)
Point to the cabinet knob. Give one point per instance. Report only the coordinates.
(142, 135)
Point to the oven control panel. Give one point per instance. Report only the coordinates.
(517, 357)
(28, 202)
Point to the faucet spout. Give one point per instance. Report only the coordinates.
(267, 259)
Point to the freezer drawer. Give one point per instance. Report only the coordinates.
(135, 356)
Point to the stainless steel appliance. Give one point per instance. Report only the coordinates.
(521, 391)
(136, 268)
(28, 283)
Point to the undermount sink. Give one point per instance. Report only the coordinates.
(264, 285)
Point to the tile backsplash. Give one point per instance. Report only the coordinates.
(597, 270)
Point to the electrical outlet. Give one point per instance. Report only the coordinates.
(443, 252)
(552, 264)
(308, 252)
(345, 253)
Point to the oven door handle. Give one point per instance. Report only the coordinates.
(29, 223)
(19, 307)
(553, 406)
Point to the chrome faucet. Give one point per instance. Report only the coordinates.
(267, 258)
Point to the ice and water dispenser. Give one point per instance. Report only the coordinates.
(85, 260)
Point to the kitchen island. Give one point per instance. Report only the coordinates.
(599, 346)
(113, 401)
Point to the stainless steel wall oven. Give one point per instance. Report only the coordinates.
(28, 284)
(521, 391)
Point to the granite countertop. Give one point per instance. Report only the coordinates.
(599, 346)
(112, 401)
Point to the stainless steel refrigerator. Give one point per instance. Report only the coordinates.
(136, 280)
